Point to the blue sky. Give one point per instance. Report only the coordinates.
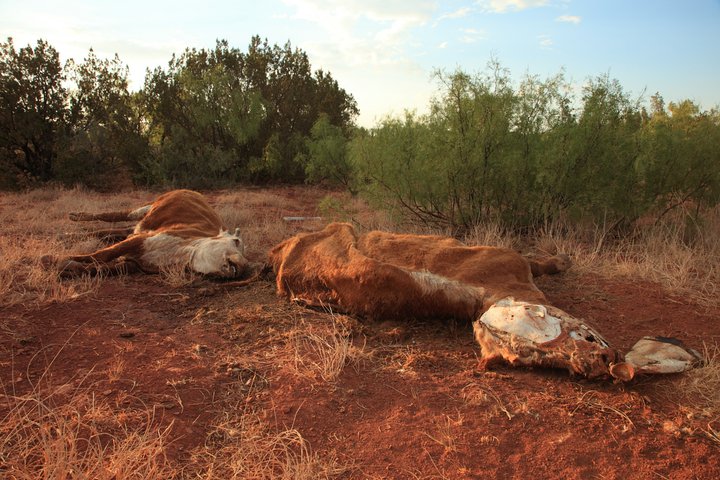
(384, 51)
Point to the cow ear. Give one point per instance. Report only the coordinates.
(237, 232)
(622, 371)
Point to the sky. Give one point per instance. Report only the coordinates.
(384, 52)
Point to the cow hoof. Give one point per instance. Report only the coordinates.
(562, 262)
(48, 261)
(79, 216)
(71, 268)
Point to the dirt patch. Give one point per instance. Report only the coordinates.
(407, 402)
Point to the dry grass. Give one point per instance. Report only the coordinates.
(36, 224)
(699, 388)
(23, 279)
(259, 231)
(491, 234)
(75, 435)
(178, 275)
(444, 432)
(663, 255)
(324, 354)
(477, 395)
(591, 400)
(666, 254)
(243, 446)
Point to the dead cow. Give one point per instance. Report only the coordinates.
(178, 228)
(382, 274)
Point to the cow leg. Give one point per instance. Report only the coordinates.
(550, 266)
(131, 247)
(122, 216)
(112, 235)
(120, 266)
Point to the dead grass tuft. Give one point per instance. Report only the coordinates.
(324, 354)
(81, 437)
(444, 432)
(699, 388)
(490, 234)
(244, 446)
(662, 254)
(591, 399)
(178, 275)
(36, 224)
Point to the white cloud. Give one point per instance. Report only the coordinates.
(443, 45)
(502, 6)
(545, 41)
(459, 13)
(472, 35)
(386, 26)
(366, 44)
(569, 19)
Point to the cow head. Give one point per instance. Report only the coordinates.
(529, 334)
(222, 256)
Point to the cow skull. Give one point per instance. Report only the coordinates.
(527, 334)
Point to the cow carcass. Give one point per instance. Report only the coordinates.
(179, 228)
(381, 275)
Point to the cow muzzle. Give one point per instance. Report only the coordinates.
(235, 267)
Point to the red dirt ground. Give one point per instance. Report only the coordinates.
(414, 407)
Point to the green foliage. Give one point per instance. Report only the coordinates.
(201, 118)
(680, 160)
(103, 142)
(212, 118)
(223, 115)
(527, 156)
(327, 155)
(335, 209)
(32, 111)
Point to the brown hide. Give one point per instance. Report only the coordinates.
(182, 213)
(383, 274)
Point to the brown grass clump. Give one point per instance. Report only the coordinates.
(178, 275)
(663, 255)
(699, 388)
(79, 437)
(244, 446)
(686, 265)
(35, 224)
(324, 354)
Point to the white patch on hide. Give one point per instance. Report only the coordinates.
(163, 250)
(455, 291)
(529, 321)
(211, 255)
(221, 255)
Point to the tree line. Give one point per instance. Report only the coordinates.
(211, 118)
(531, 154)
(489, 149)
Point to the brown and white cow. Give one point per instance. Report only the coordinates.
(178, 228)
(382, 274)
